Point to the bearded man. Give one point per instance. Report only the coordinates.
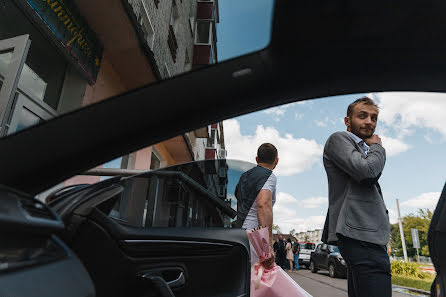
(357, 219)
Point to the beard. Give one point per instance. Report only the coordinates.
(361, 132)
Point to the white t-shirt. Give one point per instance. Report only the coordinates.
(251, 221)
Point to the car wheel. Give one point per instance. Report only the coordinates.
(332, 270)
(313, 267)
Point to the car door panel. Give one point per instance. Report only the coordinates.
(33, 260)
(117, 256)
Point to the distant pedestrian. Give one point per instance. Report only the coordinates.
(279, 248)
(296, 251)
(289, 253)
(357, 220)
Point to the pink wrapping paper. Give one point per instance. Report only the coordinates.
(272, 282)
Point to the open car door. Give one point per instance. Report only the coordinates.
(437, 245)
(167, 232)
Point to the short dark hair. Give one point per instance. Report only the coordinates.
(365, 100)
(266, 153)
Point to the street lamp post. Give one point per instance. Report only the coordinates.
(403, 241)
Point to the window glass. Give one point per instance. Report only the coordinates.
(27, 118)
(44, 72)
(155, 162)
(333, 249)
(203, 32)
(198, 194)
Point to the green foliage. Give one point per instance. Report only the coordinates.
(410, 282)
(276, 228)
(420, 221)
(407, 269)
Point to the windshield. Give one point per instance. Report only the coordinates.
(307, 246)
(333, 249)
(66, 55)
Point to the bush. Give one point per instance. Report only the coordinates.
(407, 269)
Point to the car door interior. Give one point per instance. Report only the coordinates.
(33, 260)
(125, 259)
(437, 244)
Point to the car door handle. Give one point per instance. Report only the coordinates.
(180, 281)
(160, 284)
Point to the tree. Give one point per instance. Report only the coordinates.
(276, 228)
(420, 221)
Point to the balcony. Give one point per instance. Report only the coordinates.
(205, 10)
(211, 154)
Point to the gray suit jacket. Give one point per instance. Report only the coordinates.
(356, 207)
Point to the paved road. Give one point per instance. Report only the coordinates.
(320, 284)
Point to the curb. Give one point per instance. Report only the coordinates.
(419, 291)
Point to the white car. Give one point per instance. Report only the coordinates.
(306, 248)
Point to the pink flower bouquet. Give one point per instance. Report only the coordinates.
(273, 282)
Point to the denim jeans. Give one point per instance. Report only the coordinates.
(296, 261)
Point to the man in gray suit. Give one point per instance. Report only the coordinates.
(357, 219)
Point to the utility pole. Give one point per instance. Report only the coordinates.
(400, 222)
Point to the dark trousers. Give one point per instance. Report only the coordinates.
(368, 268)
(280, 261)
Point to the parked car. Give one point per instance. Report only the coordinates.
(327, 257)
(306, 248)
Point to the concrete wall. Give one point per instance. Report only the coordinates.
(108, 84)
(160, 20)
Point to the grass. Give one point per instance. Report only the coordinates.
(413, 282)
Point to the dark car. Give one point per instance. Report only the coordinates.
(327, 257)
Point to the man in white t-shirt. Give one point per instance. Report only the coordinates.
(256, 195)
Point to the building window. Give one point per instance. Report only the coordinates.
(171, 39)
(167, 69)
(174, 16)
(211, 143)
(187, 63)
(147, 28)
(204, 32)
(155, 162)
(157, 2)
(44, 72)
(192, 24)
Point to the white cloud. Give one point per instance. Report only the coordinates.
(315, 202)
(320, 123)
(298, 116)
(285, 198)
(325, 122)
(295, 154)
(276, 111)
(393, 216)
(287, 219)
(425, 200)
(406, 111)
(394, 146)
(279, 111)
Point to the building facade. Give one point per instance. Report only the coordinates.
(58, 56)
(310, 235)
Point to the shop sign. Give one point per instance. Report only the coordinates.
(66, 23)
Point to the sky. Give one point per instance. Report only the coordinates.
(411, 125)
